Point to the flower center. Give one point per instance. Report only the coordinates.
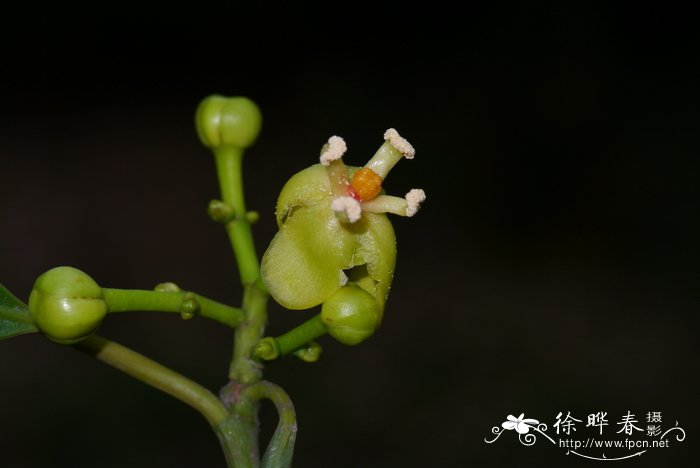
(365, 185)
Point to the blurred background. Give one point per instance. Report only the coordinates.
(553, 268)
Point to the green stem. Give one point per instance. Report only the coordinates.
(228, 168)
(156, 375)
(301, 335)
(124, 300)
(239, 432)
(239, 435)
(244, 367)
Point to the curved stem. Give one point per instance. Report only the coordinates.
(126, 300)
(280, 450)
(275, 393)
(156, 375)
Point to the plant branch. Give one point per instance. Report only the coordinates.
(229, 171)
(156, 375)
(180, 302)
(245, 368)
(271, 348)
(301, 335)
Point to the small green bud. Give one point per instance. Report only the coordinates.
(267, 349)
(223, 121)
(167, 287)
(189, 306)
(220, 212)
(309, 353)
(252, 217)
(351, 315)
(66, 305)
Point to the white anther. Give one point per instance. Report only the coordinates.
(400, 143)
(334, 150)
(414, 198)
(349, 206)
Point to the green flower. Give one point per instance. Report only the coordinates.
(333, 228)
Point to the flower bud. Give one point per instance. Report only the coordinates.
(223, 121)
(351, 315)
(66, 305)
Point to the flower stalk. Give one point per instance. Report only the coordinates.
(335, 248)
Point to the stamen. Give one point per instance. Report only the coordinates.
(394, 148)
(400, 143)
(333, 150)
(400, 206)
(331, 157)
(349, 206)
(386, 204)
(414, 198)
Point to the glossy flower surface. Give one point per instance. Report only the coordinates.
(333, 228)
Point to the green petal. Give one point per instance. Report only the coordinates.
(304, 263)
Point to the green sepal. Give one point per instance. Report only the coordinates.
(14, 316)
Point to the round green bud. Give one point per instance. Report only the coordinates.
(351, 315)
(66, 305)
(223, 121)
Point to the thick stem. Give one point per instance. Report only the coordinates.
(126, 300)
(239, 432)
(156, 375)
(244, 367)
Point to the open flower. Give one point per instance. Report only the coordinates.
(521, 426)
(333, 228)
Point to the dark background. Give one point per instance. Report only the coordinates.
(553, 268)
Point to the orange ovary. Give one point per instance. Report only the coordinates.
(365, 184)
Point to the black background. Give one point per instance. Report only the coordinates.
(553, 268)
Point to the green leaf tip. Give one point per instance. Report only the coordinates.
(14, 316)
